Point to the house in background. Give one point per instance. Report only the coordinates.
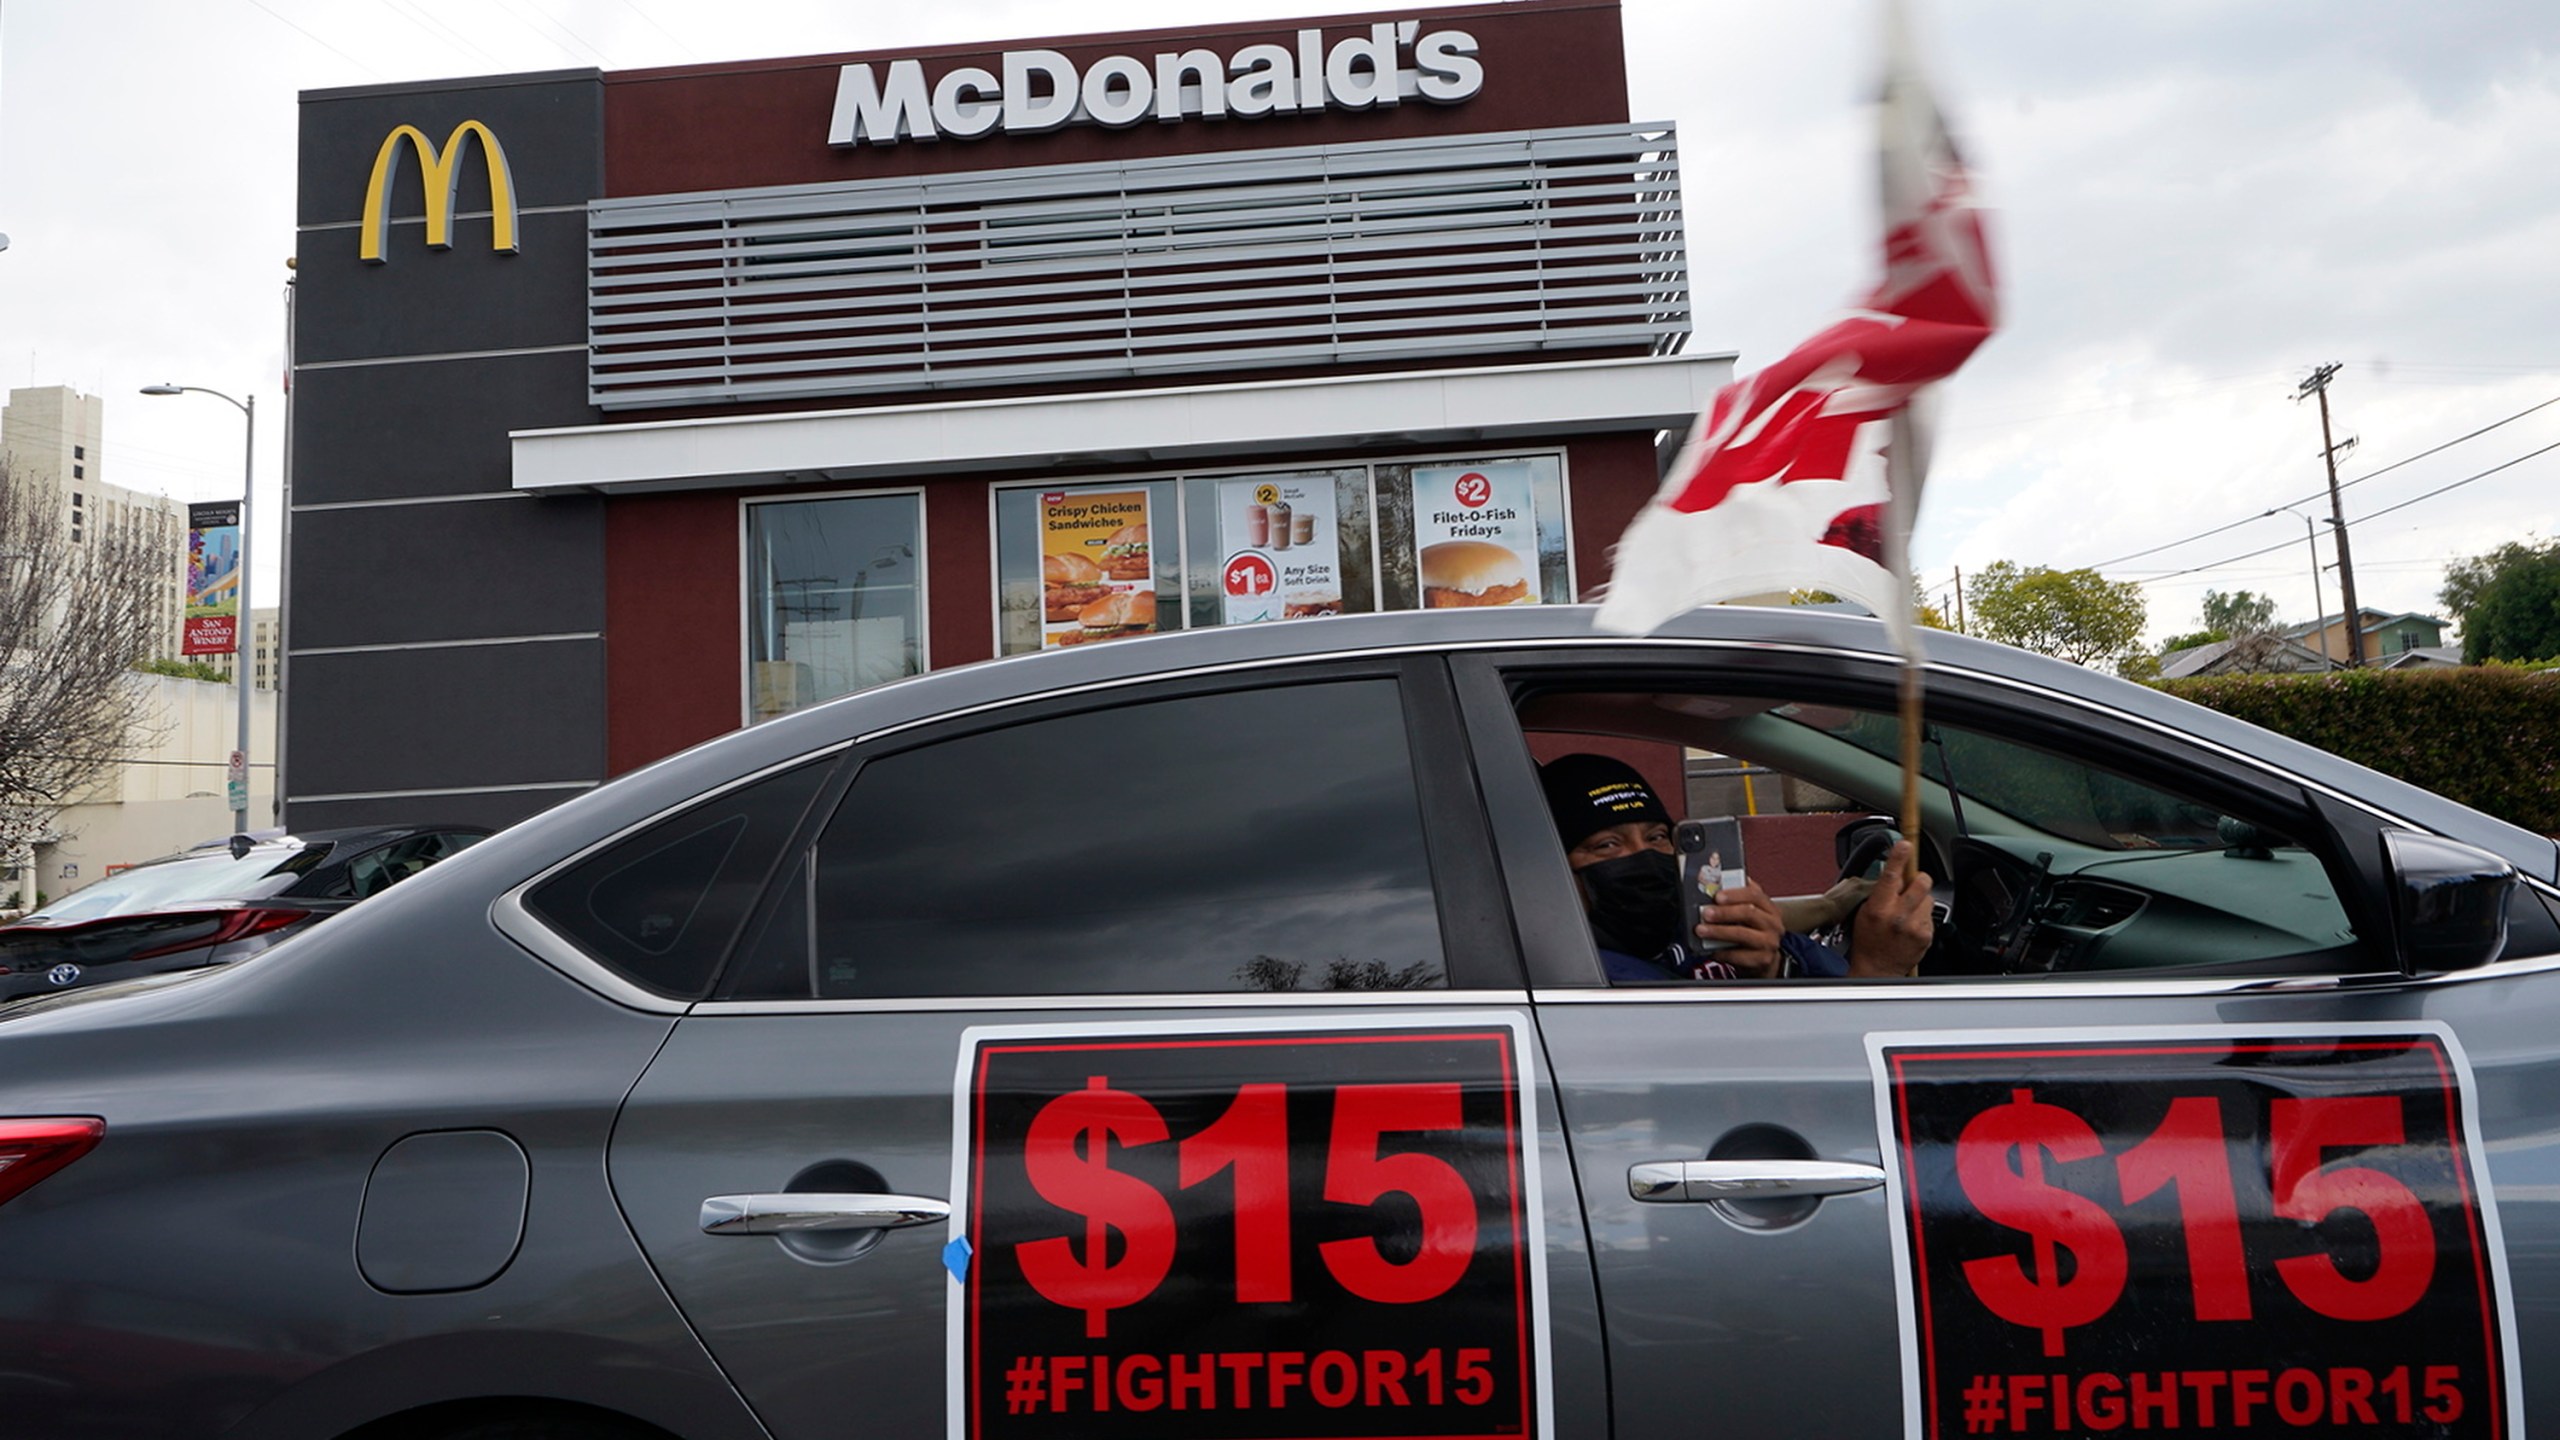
(2248, 655)
(2423, 657)
(2385, 634)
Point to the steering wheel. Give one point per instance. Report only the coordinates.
(1860, 845)
(1863, 844)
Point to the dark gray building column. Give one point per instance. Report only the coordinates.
(445, 633)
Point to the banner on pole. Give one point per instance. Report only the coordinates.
(213, 578)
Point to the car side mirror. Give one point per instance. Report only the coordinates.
(2449, 901)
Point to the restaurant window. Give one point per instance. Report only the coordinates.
(1100, 559)
(835, 597)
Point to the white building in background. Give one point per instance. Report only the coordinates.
(168, 794)
(55, 436)
(264, 659)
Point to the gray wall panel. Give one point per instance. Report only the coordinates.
(551, 126)
(448, 572)
(436, 427)
(495, 811)
(437, 719)
(441, 302)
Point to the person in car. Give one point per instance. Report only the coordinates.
(1617, 837)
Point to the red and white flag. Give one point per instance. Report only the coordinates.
(1807, 474)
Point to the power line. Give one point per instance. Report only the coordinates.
(2342, 485)
(316, 40)
(2359, 520)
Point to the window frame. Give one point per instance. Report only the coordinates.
(1479, 952)
(747, 599)
(1557, 945)
(1278, 462)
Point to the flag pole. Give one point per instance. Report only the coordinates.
(1906, 465)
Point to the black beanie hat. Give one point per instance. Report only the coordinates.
(1589, 793)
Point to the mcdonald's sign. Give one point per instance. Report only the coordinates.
(440, 174)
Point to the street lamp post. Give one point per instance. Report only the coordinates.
(2319, 610)
(242, 635)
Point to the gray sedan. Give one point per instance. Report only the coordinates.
(1204, 1036)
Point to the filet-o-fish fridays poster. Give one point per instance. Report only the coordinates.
(1464, 518)
(1097, 572)
(1283, 555)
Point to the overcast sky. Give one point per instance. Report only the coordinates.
(2197, 201)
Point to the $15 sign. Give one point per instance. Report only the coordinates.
(1067, 1158)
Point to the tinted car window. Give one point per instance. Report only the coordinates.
(378, 870)
(661, 906)
(1264, 839)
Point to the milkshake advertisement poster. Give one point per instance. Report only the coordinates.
(1475, 535)
(1097, 571)
(1282, 549)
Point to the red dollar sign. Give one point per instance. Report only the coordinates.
(2015, 1194)
(1083, 1181)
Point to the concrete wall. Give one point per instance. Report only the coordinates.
(171, 794)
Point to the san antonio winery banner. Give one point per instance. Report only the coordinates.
(213, 578)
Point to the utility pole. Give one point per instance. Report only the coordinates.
(2318, 384)
(1960, 602)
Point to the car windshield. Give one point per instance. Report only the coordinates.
(2053, 793)
(191, 878)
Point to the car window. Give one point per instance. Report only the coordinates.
(660, 907)
(378, 870)
(2045, 861)
(1266, 839)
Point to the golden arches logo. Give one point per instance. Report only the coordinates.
(440, 175)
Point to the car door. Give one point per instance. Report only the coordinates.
(2285, 1188)
(1152, 1061)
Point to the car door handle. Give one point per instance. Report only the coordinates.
(781, 1214)
(1673, 1181)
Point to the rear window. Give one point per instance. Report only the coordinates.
(659, 907)
(1266, 839)
(193, 878)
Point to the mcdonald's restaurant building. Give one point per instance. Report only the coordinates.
(630, 408)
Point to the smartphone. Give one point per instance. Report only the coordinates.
(1710, 859)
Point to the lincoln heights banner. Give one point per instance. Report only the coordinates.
(213, 578)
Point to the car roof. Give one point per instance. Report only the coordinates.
(944, 693)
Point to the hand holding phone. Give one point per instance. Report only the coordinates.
(1710, 859)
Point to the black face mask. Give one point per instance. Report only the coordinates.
(1635, 902)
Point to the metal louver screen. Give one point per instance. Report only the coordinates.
(1505, 244)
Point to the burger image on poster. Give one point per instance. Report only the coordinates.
(1475, 535)
(1458, 573)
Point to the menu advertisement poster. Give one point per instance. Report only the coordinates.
(1097, 575)
(1282, 548)
(1475, 535)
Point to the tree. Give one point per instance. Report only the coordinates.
(2239, 614)
(2515, 615)
(1923, 613)
(2465, 579)
(76, 612)
(2077, 615)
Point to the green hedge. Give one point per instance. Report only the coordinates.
(2487, 736)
